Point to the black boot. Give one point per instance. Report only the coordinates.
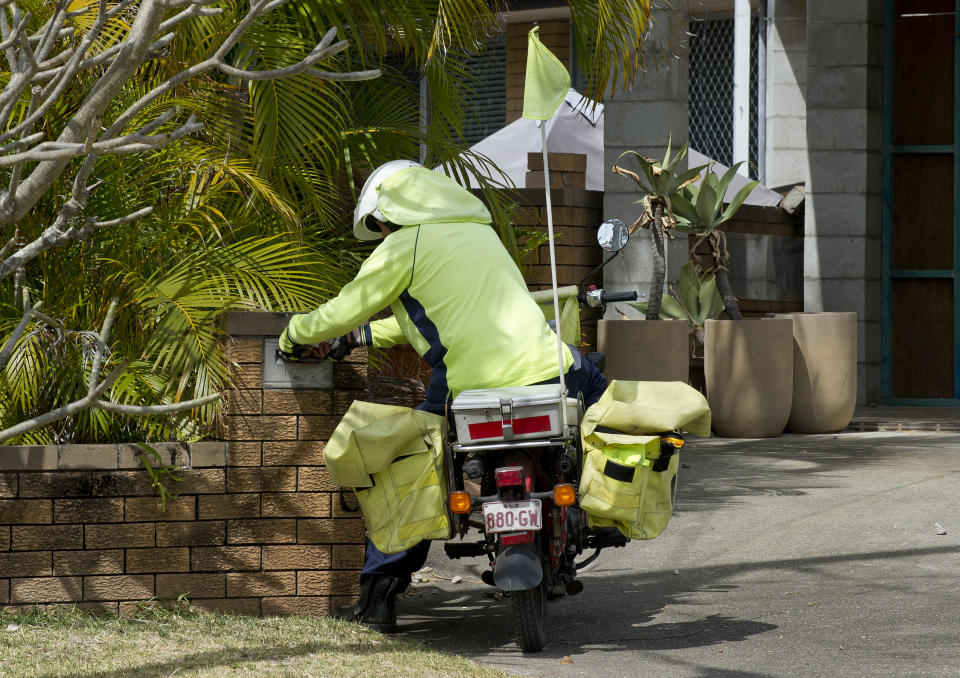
(375, 607)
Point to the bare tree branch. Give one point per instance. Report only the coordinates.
(43, 65)
(146, 410)
(344, 77)
(176, 4)
(136, 45)
(96, 386)
(20, 143)
(11, 37)
(135, 216)
(73, 408)
(11, 342)
(101, 347)
(133, 143)
(322, 51)
(53, 236)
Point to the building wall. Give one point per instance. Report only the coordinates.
(786, 127)
(643, 118)
(842, 240)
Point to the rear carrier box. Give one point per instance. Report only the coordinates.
(517, 413)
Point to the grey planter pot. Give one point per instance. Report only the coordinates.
(645, 350)
(824, 371)
(748, 369)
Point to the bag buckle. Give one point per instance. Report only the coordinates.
(506, 416)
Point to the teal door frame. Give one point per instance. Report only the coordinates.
(888, 272)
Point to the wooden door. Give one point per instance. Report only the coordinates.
(921, 238)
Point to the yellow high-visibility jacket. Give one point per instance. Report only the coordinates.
(455, 293)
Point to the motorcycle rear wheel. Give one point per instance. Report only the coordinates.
(529, 616)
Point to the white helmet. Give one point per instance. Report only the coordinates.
(367, 203)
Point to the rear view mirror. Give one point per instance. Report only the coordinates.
(612, 235)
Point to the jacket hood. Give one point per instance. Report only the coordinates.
(420, 196)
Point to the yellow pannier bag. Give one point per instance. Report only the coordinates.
(619, 487)
(622, 485)
(393, 457)
(569, 311)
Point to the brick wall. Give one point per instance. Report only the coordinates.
(256, 527)
(576, 217)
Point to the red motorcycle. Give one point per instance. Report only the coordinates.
(515, 462)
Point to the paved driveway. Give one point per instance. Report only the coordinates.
(794, 556)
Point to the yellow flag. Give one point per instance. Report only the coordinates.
(547, 81)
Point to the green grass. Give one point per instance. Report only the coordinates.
(67, 644)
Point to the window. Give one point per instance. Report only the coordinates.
(711, 90)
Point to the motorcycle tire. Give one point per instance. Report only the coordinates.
(529, 616)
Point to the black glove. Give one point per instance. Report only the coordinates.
(341, 347)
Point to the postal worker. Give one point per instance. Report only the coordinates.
(458, 298)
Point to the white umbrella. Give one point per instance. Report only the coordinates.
(576, 127)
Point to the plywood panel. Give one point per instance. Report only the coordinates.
(923, 338)
(923, 212)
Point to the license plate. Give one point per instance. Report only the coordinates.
(501, 516)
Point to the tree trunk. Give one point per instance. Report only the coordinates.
(699, 334)
(659, 262)
(726, 293)
(718, 246)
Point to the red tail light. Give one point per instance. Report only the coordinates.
(515, 538)
(509, 476)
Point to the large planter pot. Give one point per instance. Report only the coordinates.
(748, 368)
(824, 371)
(645, 350)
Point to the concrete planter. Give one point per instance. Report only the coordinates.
(748, 368)
(824, 371)
(645, 350)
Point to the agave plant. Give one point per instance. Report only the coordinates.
(700, 209)
(694, 299)
(661, 182)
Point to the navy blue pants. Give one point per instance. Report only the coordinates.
(583, 377)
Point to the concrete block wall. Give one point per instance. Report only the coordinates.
(786, 132)
(256, 528)
(642, 119)
(842, 243)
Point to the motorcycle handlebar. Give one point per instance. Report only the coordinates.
(609, 297)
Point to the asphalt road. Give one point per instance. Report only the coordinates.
(794, 556)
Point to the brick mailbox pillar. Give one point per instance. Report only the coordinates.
(276, 426)
(256, 527)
